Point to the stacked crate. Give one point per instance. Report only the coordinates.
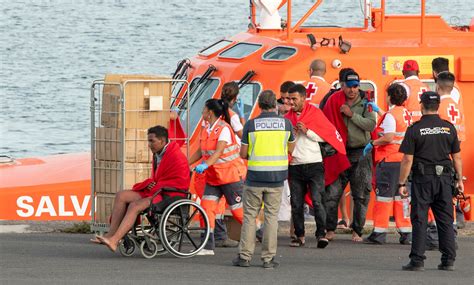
(120, 164)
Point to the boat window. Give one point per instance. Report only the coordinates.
(215, 47)
(279, 53)
(240, 50)
(248, 93)
(203, 92)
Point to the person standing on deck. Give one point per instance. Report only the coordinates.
(414, 88)
(316, 86)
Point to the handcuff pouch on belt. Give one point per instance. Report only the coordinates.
(437, 169)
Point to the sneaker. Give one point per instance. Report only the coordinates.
(405, 238)
(413, 267)
(369, 240)
(206, 252)
(271, 264)
(446, 267)
(240, 262)
(322, 242)
(227, 243)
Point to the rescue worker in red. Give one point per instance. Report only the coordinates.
(316, 86)
(451, 103)
(169, 169)
(414, 87)
(390, 131)
(221, 164)
(229, 94)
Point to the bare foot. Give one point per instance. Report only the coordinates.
(95, 240)
(330, 235)
(107, 242)
(356, 237)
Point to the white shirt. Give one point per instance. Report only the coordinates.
(236, 126)
(224, 135)
(269, 16)
(389, 125)
(307, 148)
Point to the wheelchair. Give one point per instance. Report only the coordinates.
(177, 225)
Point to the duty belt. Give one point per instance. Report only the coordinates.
(438, 170)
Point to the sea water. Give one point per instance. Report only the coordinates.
(51, 51)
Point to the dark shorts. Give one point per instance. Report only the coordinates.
(387, 177)
(232, 192)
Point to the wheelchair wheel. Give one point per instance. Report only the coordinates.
(180, 233)
(127, 246)
(150, 249)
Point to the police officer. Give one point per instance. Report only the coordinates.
(428, 147)
(266, 142)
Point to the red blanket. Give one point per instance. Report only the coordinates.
(176, 132)
(173, 172)
(334, 165)
(315, 120)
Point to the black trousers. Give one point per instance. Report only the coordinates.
(304, 178)
(435, 192)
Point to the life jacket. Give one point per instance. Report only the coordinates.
(453, 112)
(390, 152)
(414, 88)
(316, 89)
(227, 168)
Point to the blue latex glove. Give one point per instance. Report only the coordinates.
(201, 167)
(368, 148)
(240, 108)
(374, 106)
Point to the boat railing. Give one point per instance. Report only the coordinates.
(369, 12)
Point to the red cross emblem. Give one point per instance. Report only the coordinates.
(453, 113)
(311, 90)
(422, 89)
(407, 117)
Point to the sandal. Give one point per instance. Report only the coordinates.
(342, 224)
(296, 242)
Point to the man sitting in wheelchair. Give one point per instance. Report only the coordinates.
(169, 169)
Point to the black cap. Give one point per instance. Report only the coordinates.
(430, 97)
(351, 78)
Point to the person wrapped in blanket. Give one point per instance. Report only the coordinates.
(169, 169)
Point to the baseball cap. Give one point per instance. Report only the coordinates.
(429, 97)
(351, 79)
(410, 65)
